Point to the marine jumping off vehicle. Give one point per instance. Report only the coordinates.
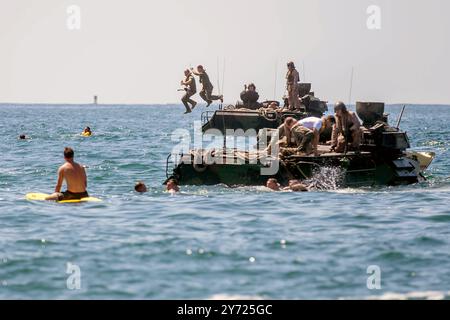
(383, 157)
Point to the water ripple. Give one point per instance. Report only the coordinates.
(207, 242)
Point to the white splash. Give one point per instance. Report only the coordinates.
(326, 178)
(414, 295)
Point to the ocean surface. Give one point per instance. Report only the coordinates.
(207, 242)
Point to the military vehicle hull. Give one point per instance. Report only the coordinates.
(351, 170)
(245, 119)
(382, 158)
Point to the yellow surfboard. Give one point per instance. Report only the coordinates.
(42, 196)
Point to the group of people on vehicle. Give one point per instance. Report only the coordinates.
(249, 96)
(304, 135)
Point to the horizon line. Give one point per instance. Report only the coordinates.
(179, 103)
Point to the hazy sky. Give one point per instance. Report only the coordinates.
(135, 51)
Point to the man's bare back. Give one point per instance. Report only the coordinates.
(75, 177)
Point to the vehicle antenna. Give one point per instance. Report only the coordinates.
(351, 88)
(400, 117)
(275, 86)
(304, 71)
(223, 75)
(218, 75)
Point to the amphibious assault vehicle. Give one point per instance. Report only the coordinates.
(383, 158)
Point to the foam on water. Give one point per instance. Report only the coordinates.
(234, 297)
(415, 295)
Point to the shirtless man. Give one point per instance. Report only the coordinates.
(172, 186)
(296, 186)
(75, 177)
(273, 184)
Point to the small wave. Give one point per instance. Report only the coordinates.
(429, 241)
(439, 218)
(351, 191)
(392, 255)
(415, 295)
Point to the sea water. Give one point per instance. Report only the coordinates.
(207, 242)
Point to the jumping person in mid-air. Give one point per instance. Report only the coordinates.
(191, 89)
(207, 87)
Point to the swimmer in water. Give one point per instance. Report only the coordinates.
(172, 186)
(87, 131)
(23, 137)
(140, 187)
(296, 186)
(273, 184)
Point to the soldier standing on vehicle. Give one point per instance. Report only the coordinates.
(292, 80)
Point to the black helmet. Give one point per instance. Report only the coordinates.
(340, 106)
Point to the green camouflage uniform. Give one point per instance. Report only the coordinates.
(191, 89)
(303, 138)
(207, 88)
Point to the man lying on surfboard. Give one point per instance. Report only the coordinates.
(76, 180)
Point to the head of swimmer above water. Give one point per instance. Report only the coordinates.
(172, 185)
(273, 184)
(140, 187)
(87, 130)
